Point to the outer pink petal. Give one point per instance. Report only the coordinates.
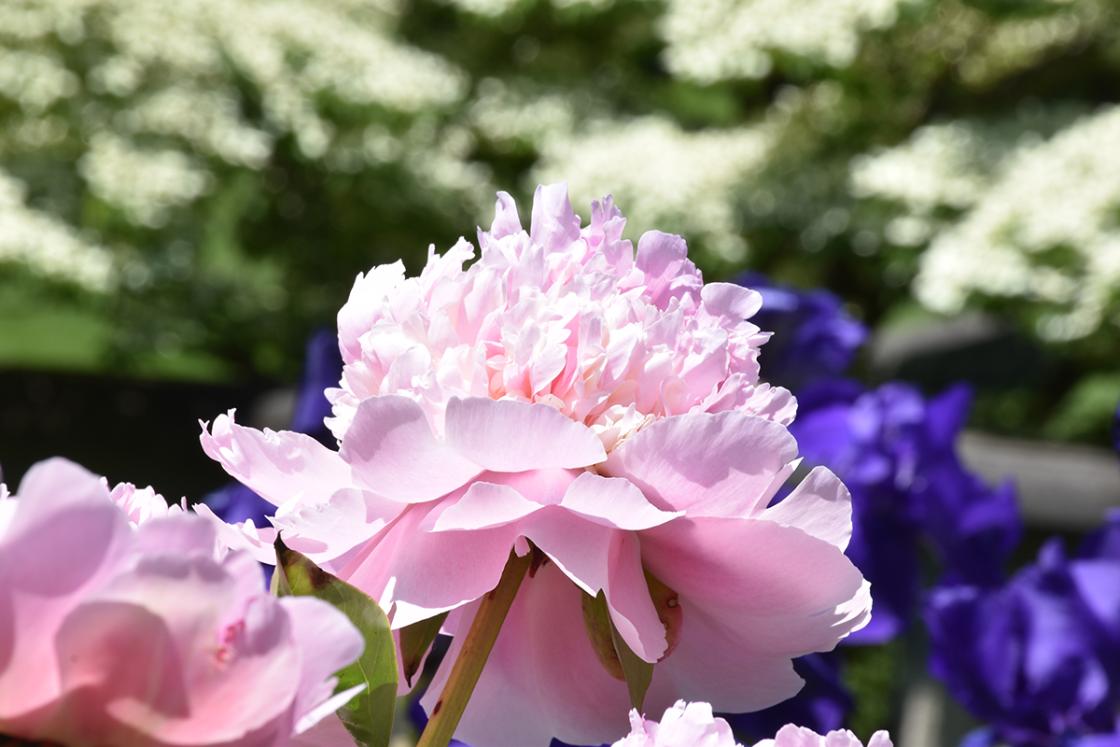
(326, 530)
(598, 558)
(393, 452)
(482, 506)
(246, 536)
(420, 574)
(509, 436)
(713, 464)
(613, 501)
(63, 539)
(280, 466)
(754, 595)
(820, 506)
(542, 678)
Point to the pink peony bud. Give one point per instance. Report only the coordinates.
(111, 634)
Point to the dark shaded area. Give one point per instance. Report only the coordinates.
(144, 432)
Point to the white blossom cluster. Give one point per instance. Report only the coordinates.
(153, 92)
(1033, 217)
(711, 40)
(37, 241)
(681, 181)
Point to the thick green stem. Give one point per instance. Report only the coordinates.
(476, 649)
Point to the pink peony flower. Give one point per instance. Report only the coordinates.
(798, 736)
(127, 636)
(683, 725)
(604, 407)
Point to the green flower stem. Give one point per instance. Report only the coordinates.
(473, 654)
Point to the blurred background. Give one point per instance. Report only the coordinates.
(188, 189)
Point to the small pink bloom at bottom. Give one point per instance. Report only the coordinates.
(682, 725)
(799, 736)
(694, 725)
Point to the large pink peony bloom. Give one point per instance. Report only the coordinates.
(140, 637)
(605, 408)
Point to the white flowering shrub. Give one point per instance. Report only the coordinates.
(225, 167)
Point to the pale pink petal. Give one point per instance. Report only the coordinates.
(791, 735)
(421, 574)
(820, 506)
(542, 680)
(751, 593)
(598, 558)
(731, 300)
(553, 224)
(393, 452)
(509, 436)
(613, 501)
(246, 536)
(279, 466)
(484, 505)
(326, 530)
(715, 464)
(63, 538)
(663, 257)
(506, 221)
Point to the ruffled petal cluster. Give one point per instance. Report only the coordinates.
(600, 409)
(561, 314)
(139, 635)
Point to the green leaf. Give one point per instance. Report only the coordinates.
(613, 652)
(369, 716)
(416, 639)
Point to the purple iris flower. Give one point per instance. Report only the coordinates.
(814, 338)
(895, 450)
(1039, 658)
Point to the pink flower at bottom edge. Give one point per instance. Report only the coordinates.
(141, 637)
(682, 725)
(800, 736)
(694, 725)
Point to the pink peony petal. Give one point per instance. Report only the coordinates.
(713, 464)
(597, 558)
(484, 505)
(508, 436)
(614, 502)
(393, 452)
(554, 224)
(820, 506)
(778, 591)
(542, 680)
(280, 466)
